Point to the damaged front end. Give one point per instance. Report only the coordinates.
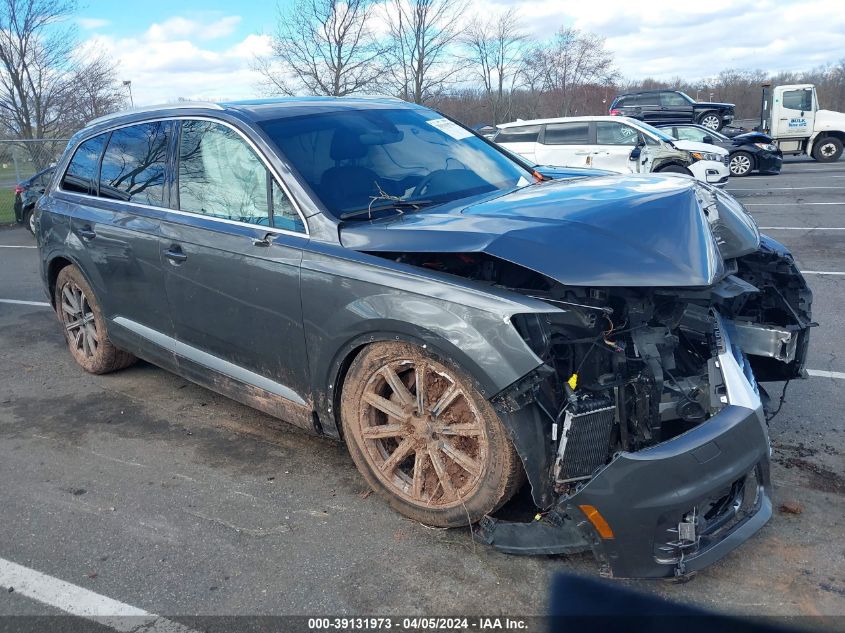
(642, 431)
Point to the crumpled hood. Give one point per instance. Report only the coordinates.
(752, 137)
(631, 230)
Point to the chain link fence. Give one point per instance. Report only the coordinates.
(24, 171)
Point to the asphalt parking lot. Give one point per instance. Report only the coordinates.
(151, 491)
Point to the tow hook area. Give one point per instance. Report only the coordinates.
(550, 533)
(688, 541)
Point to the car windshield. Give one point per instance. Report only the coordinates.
(645, 127)
(686, 96)
(362, 160)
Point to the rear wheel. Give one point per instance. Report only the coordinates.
(424, 437)
(711, 120)
(29, 219)
(742, 164)
(828, 149)
(84, 325)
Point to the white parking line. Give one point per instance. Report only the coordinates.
(12, 246)
(820, 272)
(19, 302)
(826, 374)
(788, 204)
(82, 602)
(783, 188)
(802, 228)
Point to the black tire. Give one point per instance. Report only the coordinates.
(711, 120)
(827, 149)
(673, 169)
(741, 164)
(448, 466)
(29, 219)
(88, 341)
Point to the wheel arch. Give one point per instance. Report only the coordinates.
(673, 162)
(54, 266)
(821, 136)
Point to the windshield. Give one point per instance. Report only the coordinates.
(377, 159)
(645, 127)
(686, 96)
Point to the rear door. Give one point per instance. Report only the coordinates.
(567, 144)
(118, 181)
(232, 249)
(649, 107)
(674, 108)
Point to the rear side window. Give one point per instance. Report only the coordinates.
(134, 164)
(81, 174)
(576, 133)
(649, 98)
(519, 134)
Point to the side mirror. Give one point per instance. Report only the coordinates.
(707, 139)
(635, 153)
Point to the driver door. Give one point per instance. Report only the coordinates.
(615, 143)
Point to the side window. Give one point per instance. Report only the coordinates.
(649, 99)
(621, 102)
(798, 100)
(567, 133)
(81, 174)
(612, 133)
(134, 164)
(284, 215)
(519, 134)
(220, 175)
(690, 134)
(672, 100)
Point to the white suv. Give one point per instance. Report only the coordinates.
(613, 143)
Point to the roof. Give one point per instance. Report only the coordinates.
(565, 119)
(261, 109)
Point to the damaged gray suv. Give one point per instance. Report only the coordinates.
(375, 272)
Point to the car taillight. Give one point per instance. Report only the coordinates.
(19, 189)
(615, 112)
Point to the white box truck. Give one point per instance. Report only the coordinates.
(800, 127)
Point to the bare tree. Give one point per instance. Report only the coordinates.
(35, 57)
(324, 47)
(494, 49)
(95, 92)
(573, 59)
(422, 33)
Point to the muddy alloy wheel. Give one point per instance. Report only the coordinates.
(424, 438)
(84, 326)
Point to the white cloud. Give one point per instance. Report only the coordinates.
(174, 59)
(91, 24)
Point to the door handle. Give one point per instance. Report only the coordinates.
(263, 242)
(86, 233)
(175, 255)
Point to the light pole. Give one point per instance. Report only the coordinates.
(128, 84)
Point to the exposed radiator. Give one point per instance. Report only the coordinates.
(584, 442)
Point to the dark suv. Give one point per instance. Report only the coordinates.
(372, 271)
(671, 106)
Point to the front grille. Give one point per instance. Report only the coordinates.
(584, 442)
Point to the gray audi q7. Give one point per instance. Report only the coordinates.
(373, 271)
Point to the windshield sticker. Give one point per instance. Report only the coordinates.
(452, 129)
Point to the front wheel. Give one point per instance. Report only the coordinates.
(712, 121)
(828, 149)
(741, 164)
(673, 169)
(424, 437)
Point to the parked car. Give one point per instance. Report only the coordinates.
(27, 193)
(671, 106)
(752, 151)
(372, 271)
(615, 144)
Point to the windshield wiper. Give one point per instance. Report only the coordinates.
(387, 204)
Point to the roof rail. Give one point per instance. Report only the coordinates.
(154, 108)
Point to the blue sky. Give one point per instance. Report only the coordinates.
(204, 49)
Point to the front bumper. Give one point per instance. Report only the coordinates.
(711, 172)
(673, 508)
(769, 162)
